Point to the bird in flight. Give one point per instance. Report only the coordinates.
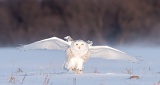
(79, 51)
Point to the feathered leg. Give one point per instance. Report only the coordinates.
(70, 65)
(79, 66)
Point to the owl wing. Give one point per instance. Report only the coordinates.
(107, 52)
(52, 43)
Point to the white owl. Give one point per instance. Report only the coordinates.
(78, 51)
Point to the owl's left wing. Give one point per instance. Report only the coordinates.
(107, 52)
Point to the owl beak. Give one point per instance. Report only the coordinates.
(79, 47)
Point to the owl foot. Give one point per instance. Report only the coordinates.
(79, 71)
(72, 69)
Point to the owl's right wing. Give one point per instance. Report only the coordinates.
(107, 52)
(52, 43)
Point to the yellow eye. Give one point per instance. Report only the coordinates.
(82, 44)
(76, 44)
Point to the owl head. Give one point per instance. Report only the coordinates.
(79, 45)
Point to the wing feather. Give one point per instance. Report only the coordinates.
(52, 43)
(110, 53)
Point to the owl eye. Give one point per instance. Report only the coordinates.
(82, 44)
(76, 44)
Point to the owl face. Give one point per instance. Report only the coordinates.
(79, 45)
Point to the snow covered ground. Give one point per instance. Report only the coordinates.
(43, 67)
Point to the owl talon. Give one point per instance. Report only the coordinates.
(79, 71)
(72, 69)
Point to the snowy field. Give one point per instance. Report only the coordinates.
(43, 67)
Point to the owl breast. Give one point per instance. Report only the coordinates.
(73, 54)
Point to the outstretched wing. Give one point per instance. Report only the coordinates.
(110, 53)
(52, 43)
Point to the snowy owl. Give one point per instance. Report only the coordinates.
(79, 51)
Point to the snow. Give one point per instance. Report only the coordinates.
(45, 67)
